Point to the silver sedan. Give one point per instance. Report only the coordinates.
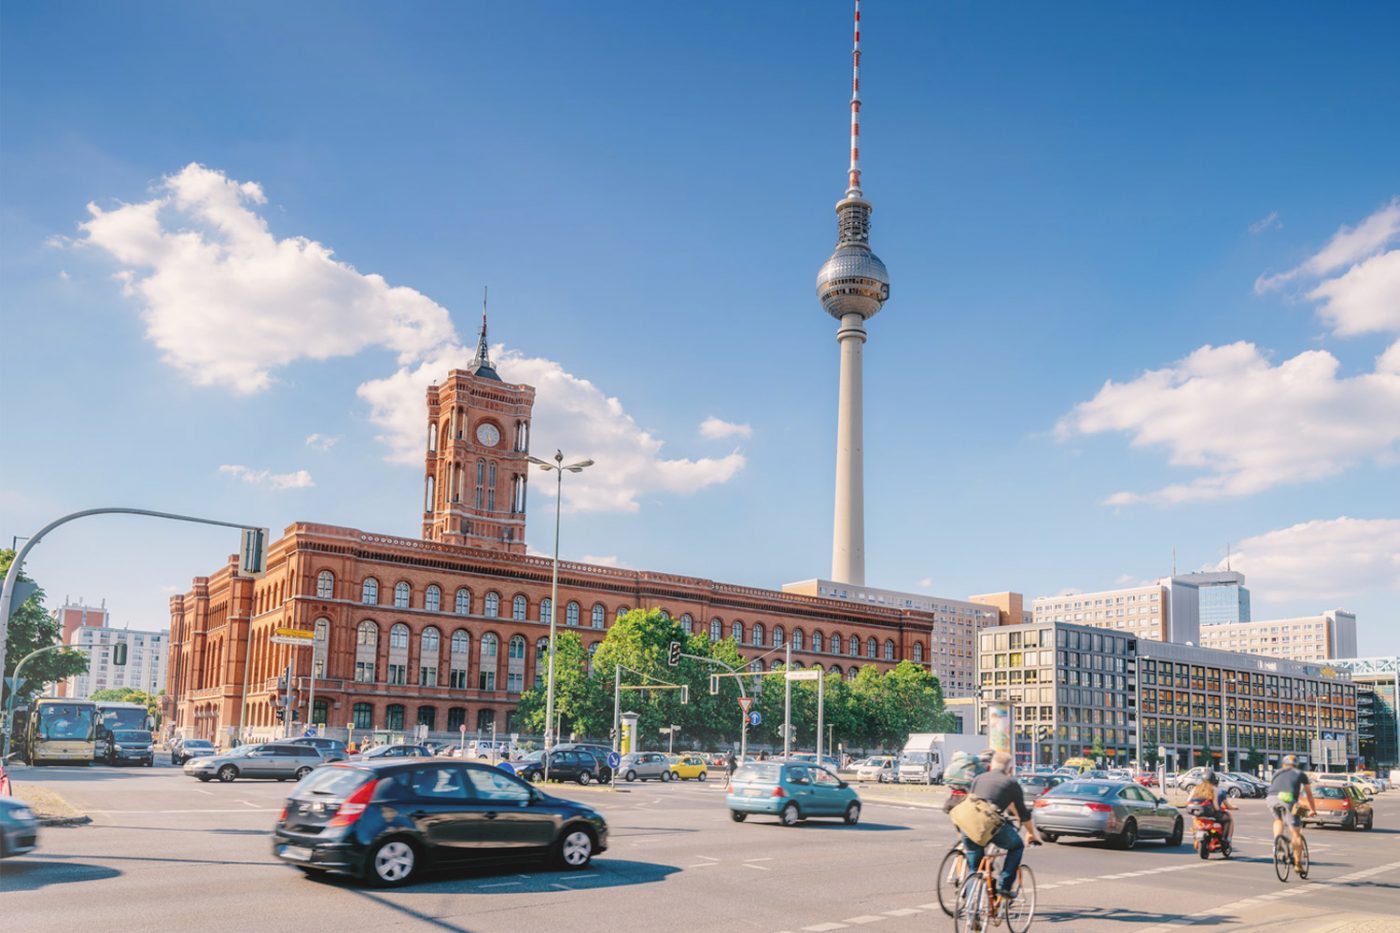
(1120, 812)
(643, 766)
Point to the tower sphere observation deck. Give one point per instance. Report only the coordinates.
(853, 280)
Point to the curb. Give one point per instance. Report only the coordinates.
(65, 820)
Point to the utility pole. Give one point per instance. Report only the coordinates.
(821, 711)
(787, 702)
(617, 717)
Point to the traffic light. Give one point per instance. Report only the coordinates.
(281, 714)
(296, 714)
(685, 694)
(714, 685)
(119, 654)
(674, 657)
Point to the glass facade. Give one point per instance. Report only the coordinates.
(1224, 602)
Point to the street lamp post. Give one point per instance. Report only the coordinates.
(558, 466)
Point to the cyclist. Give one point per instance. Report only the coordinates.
(998, 787)
(1282, 802)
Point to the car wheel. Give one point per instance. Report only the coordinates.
(1127, 839)
(574, 849)
(203, 778)
(391, 863)
(1349, 822)
(667, 776)
(852, 813)
(1051, 838)
(227, 773)
(673, 776)
(630, 776)
(1233, 793)
(701, 776)
(1371, 823)
(737, 816)
(585, 778)
(537, 777)
(302, 772)
(790, 816)
(1178, 831)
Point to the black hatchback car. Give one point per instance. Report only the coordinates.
(385, 821)
(565, 764)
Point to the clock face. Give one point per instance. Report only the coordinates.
(488, 435)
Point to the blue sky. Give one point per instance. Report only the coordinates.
(1195, 205)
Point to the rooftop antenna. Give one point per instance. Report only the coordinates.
(853, 174)
(1173, 560)
(1227, 554)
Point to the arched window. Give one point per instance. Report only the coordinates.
(463, 605)
(325, 585)
(687, 623)
(427, 716)
(592, 650)
(461, 642)
(368, 633)
(366, 651)
(853, 672)
(486, 674)
(369, 592)
(321, 639)
(428, 642)
(398, 636)
(541, 660)
(571, 611)
(758, 634)
(889, 650)
(621, 611)
(797, 639)
(546, 609)
(736, 631)
(491, 488)
(919, 652)
(493, 605)
(363, 716)
(400, 595)
(817, 641)
(716, 630)
(756, 666)
(855, 646)
(775, 664)
(518, 609)
(393, 717)
(456, 718)
(516, 648)
(432, 598)
(778, 636)
(836, 669)
(870, 647)
(600, 615)
(460, 653)
(320, 712)
(485, 719)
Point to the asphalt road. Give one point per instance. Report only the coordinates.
(167, 852)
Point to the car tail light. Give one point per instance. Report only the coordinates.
(1099, 807)
(1041, 802)
(1346, 804)
(354, 805)
(778, 792)
(281, 817)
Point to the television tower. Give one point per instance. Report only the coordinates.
(852, 285)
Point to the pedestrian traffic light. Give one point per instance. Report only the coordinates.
(674, 657)
(119, 654)
(281, 714)
(685, 694)
(714, 685)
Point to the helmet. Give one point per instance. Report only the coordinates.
(1209, 776)
(985, 757)
(1290, 761)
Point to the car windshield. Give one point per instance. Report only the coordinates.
(1082, 789)
(758, 772)
(131, 736)
(330, 782)
(1329, 793)
(196, 743)
(1033, 779)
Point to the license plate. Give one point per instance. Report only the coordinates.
(297, 853)
(753, 792)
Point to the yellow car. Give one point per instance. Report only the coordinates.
(689, 766)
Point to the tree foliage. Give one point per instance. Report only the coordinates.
(129, 695)
(31, 628)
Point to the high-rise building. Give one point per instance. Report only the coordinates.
(147, 654)
(1224, 597)
(1322, 637)
(852, 285)
(1168, 610)
(1377, 708)
(71, 617)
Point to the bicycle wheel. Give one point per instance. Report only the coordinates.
(1304, 864)
(1020, 910)
(951, 872)
(973, 907)
(1283, 858)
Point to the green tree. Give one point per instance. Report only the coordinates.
(130, 695)
(1097, 752)
(31, 628)
(571, 688)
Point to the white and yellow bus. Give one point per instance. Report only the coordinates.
(61, 731)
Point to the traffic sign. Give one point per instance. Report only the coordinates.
(812, 674)
(755, 718)
(745, 703)
(614, 759)
(462, 729)
(292, 636)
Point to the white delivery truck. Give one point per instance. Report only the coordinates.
(926, 754)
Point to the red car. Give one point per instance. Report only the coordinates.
(1145, 778)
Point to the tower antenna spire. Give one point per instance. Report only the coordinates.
(853, 174)
(481, 363)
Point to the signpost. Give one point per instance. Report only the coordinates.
(814, 673)
(755, 718)
(745, 703)
(297, 638)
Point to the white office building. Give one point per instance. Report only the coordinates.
(1321, 637)
(146, 658)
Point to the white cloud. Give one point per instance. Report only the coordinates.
(227, 302)
(1347, 246)
(715, 428)
(606, 560)
(571, 414)
(1249, 424)
(926, 583)
(1266, 223)
(1329, 561)
(62, 275)
(322, 442)
(279, 481)
(1365, 299)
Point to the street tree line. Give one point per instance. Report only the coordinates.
(873, 710)
(31, 628)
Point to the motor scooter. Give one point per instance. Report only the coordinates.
(1208, 831)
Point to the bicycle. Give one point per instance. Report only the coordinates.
(1283, 857)
(980, 905)
(952, 871)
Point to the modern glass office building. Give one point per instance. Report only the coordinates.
(1378, 715)
(1223, 596)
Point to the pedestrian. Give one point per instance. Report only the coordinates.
(730, 763)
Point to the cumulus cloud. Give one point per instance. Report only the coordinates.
(716, 429)
(571, 414)
(227, 302)
(322, 442)
(1265, 223)
(1328, 561)
(606, 560)
(267, 479)
(1252, 425)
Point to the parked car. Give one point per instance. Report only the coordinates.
(276, 760)
(393, 751)
(689, 767)
(564, 765)
(1365, 783)
(828, 761)
(878, 768)
(600, 752)
(330, 749)
(185, 749)
(1145, 778)
(1254, 787)
(1118, 811)
(1033, 785)
(131, 745)
(19, 828)
(1341, 805)
(1186, 779)
(792, 791)
(644, 766)
(384, 821)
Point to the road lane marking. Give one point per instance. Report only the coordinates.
(765, 858)
(248, 804)
(863, 919)
(200, 790)
(708, 857)
(824, 927)
(757, 867)
(703, 865)
(903, 912)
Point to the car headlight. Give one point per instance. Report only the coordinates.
(117, 748)
(23, 813)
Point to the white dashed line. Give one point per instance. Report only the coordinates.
(824, 927)
(863, 919)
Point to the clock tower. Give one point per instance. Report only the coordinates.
(476, 469)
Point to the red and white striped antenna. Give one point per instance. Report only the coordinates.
(853, 185)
